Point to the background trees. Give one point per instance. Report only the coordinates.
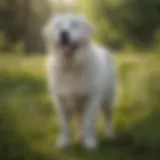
(119, 23)
(20, 24)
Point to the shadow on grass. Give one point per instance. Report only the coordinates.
(25, 115)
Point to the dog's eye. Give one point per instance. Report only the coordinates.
(74, 24)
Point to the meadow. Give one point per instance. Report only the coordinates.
(29, 126)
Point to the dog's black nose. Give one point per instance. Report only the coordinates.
(64, 38)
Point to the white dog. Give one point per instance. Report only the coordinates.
(82, 77)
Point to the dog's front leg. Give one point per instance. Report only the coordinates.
(89, 123)
(64, 119)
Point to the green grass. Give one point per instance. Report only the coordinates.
(28, 123)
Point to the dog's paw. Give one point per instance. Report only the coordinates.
(90, 144)
(63, 143)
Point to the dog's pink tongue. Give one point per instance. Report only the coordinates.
(67, 49)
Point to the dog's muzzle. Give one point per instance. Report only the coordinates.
(64, 38)
(66, 45)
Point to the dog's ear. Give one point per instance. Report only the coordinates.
(46, 31)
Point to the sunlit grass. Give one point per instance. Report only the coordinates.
(27, 111)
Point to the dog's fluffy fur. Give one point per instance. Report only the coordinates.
(83, 82)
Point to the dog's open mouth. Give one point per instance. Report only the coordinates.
(69, 48)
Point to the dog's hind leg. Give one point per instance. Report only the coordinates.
(108, 112)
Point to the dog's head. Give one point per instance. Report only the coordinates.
(68, 32)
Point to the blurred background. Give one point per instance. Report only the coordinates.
(28, 123)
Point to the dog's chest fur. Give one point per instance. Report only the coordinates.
(72, 79)
(72, 83)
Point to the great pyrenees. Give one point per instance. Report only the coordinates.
(82, 78)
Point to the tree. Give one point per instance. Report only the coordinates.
(21, 21)
(8, 23)
(37, 15)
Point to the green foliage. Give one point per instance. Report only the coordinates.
(122, 22)
(106, 33)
